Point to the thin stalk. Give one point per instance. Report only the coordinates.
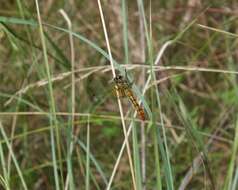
(53, 120)
(5, 177)
(143, 135)
(70, 177)
(136, 157)
(118, 99)
(88, 156)
(168, 171)
(13, 157)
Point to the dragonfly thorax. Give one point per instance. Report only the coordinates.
(121, 81)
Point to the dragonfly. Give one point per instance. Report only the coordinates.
(124, 89)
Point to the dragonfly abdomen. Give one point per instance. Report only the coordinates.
(136, 105)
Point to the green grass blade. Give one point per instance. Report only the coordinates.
(229, 178)
(156, 156)
(13, 20)
(13, 156)
(4, 178)
(136, 156)
(193, 134)
(125, 31)
(87, 179)
(94, 161)
(164, 149)
(63, 59)
(4, 183)
(235, 181)
(234, 153)
(53, 120)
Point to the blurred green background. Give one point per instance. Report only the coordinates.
(191, 103)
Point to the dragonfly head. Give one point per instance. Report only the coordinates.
(118, 79)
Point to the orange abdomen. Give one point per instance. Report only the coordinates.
(136, 105)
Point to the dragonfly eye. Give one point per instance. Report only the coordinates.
(118, 78)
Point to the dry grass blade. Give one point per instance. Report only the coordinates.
(218, 30)
(69, 182)
(119, 102)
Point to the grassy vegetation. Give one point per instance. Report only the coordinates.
(62, 127)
